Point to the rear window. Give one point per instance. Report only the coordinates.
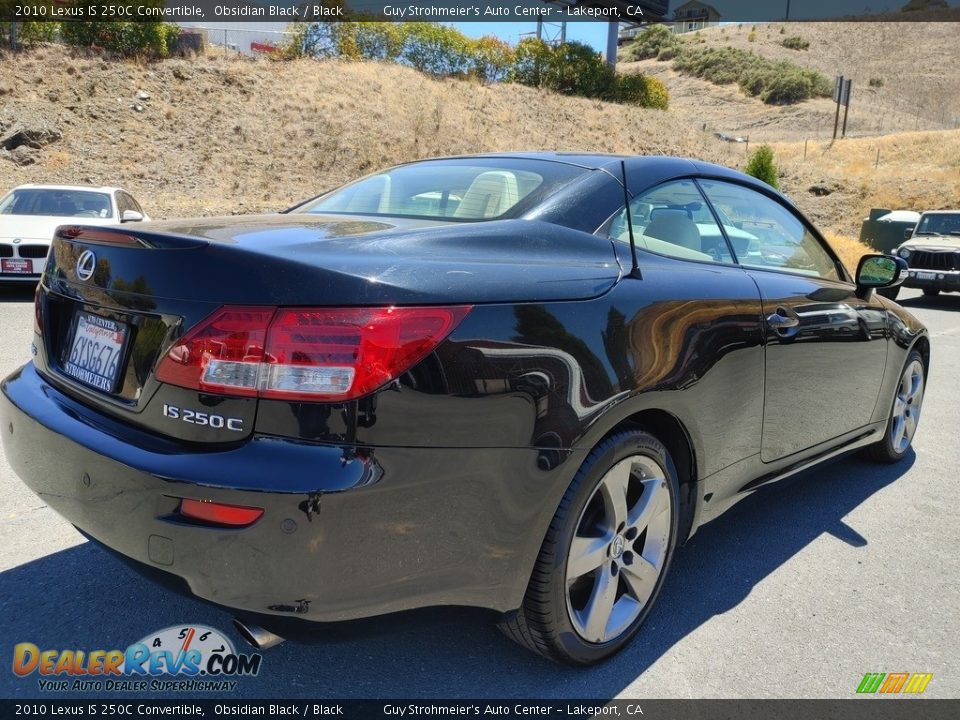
(57, 203)
(467, 190)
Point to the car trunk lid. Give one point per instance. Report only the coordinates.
(127, 294)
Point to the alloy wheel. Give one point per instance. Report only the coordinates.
(906, 406)
(619, 549)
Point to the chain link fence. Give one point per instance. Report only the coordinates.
(250, 39)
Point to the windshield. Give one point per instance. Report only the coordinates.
(467, 190)
(57, 203)
(945, 224)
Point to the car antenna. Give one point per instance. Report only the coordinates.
(635, 270)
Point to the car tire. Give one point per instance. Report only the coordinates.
(890, 293)
(904, 413)
(931, 292)
(605, 555)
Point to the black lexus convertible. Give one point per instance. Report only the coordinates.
(515, 382)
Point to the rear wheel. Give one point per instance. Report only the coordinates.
(931, 292)
(605, 555)
(904, 415)
(889, 292)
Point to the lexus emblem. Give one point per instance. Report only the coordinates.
(86, 264)
(616, 549)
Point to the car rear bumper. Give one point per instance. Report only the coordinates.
(20, 277)
(346, 532)
(948, 280)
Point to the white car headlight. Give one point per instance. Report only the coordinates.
(905, 253)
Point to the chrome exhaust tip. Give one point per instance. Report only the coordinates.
(256, 636)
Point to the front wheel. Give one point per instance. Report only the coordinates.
(605, 555)
(890, 293)
(904, 415)
(931, 292)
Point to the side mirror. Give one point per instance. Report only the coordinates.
(879, 271)
(130, 216)
(908, 232)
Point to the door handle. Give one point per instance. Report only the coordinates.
(783, 319)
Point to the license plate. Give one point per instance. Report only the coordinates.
(96, 351)
(926, 276)
(20, 267)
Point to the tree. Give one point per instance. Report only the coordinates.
(762, 166)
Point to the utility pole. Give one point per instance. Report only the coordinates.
(787, 18)
(613, 42)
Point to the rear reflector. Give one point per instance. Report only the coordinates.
(310, 354)
(219, 514)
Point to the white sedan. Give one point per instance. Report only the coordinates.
(30, 214)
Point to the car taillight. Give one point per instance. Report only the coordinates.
(222, 354)
(310, 354)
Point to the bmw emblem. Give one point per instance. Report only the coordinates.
(86, 264)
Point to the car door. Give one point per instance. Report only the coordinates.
(825, 346)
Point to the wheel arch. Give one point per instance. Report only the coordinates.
(672, 432)
(922, 345)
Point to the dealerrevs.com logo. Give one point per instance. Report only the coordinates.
(186, 658)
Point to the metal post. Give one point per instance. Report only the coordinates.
(804, 150)
(613, 29)
(877, 164)
(13, 36)
(836, 121)
(846, 108)
(838, 95)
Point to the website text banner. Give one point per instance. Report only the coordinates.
(375, 709)
(638, 12)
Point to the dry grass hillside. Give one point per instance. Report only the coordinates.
(218, 135)
(918, 65)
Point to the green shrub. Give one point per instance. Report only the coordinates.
(876, 82)
(576, 69)
(761, 166)
(29, 33)
(787, 89)
(531, 66)
(642, 90)
(795, 42)
(752, 37)
(774, 82)
(428, 47)
(129, 39)
(651, 43)
(668, 53)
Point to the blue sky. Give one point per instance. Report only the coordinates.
(591, 33)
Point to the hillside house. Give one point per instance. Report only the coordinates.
(694, 15)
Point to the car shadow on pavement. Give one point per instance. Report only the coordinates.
(84, 598)
(17, 292)
(943, 301)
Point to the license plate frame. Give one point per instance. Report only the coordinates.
(96, 351)
(16, 266)
(926, 275)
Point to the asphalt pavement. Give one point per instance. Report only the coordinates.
(852, 568)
